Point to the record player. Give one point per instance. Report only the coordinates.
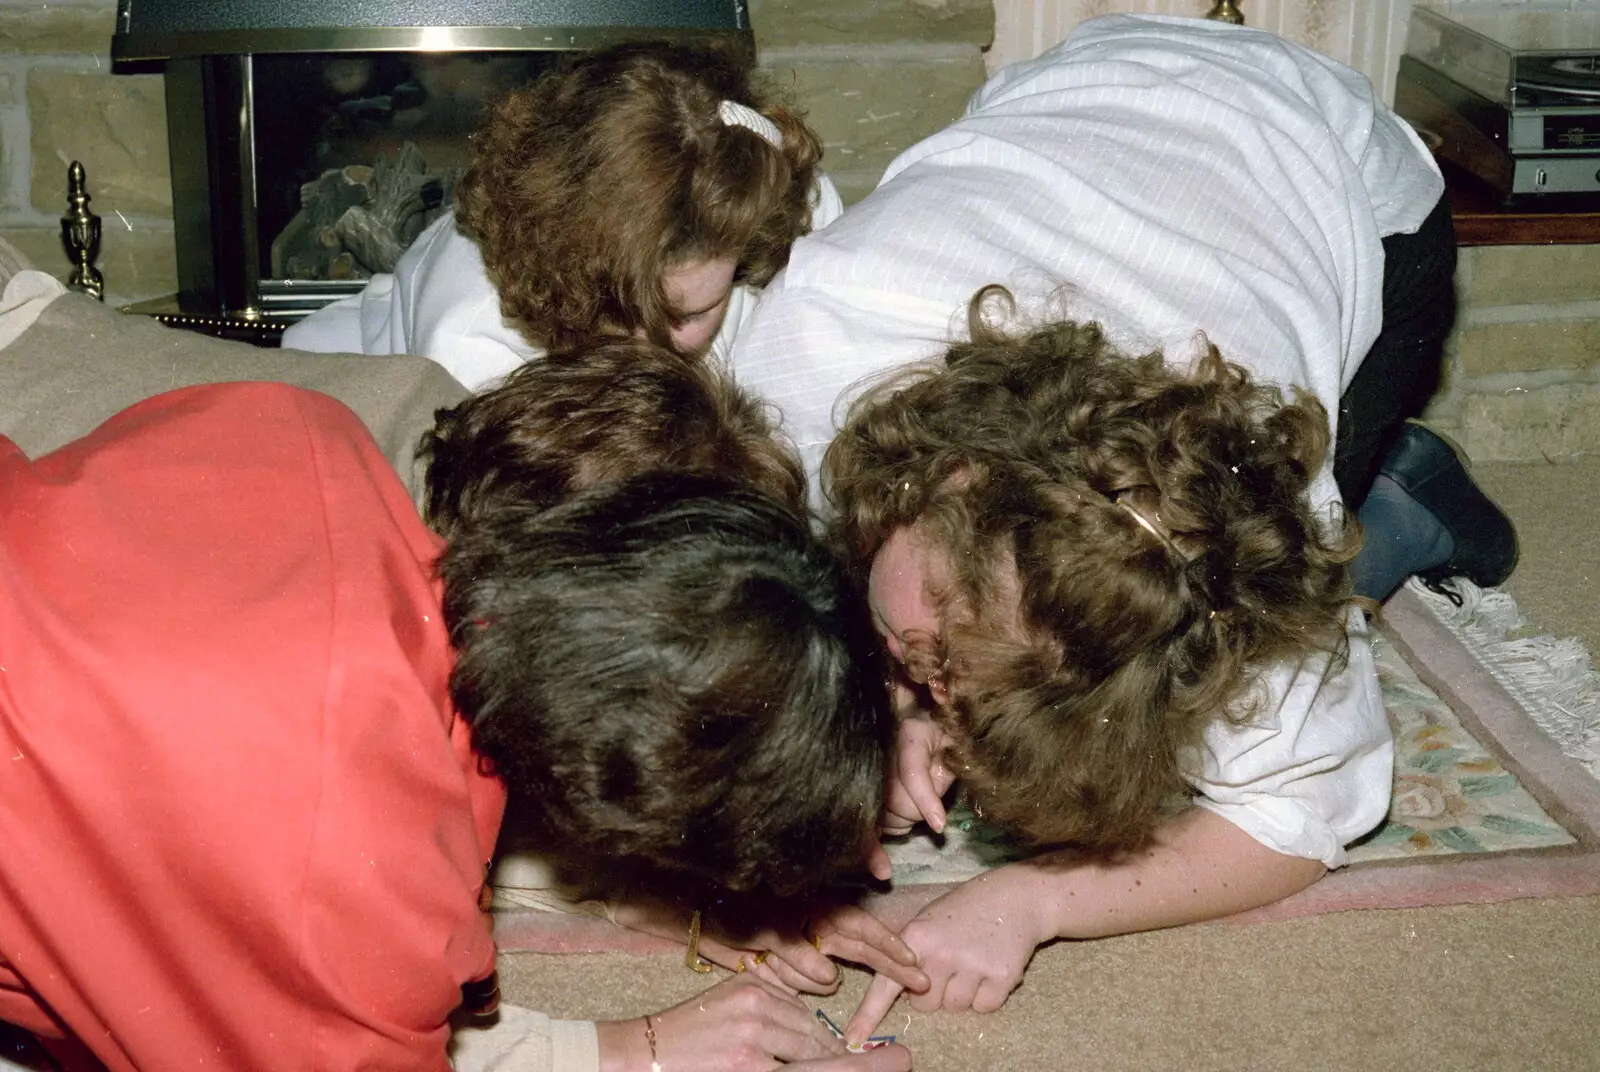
(1511, 95)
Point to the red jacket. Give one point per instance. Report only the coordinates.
(240, 823)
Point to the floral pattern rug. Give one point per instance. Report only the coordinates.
(1451, 795)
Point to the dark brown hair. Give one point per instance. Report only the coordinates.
(1129, 546)
(665, 669)
(605, 411)
(587, 186)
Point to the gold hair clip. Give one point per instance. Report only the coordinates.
(1150, 527)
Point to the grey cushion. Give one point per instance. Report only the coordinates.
(81, 362)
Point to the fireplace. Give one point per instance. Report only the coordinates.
(312, 140)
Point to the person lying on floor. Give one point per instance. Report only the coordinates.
(1187, 187)
(642, 189)
(260, 749)
(574, 420)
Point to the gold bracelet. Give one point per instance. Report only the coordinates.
(650, 1037)
(691, 959)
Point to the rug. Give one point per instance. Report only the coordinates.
(1497, 788)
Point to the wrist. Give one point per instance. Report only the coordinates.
(1032, 896)
(660, 918)
(624, 1045)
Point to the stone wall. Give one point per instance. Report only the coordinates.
(1522, 378)
(874, 75)
(59, 102)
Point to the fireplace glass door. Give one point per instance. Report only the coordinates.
(355, 153)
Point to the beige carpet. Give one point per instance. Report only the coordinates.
(1508, 986)
(1511, 986)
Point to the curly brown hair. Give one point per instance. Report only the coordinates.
(1128, 545)
(590, 184)
(603, 412)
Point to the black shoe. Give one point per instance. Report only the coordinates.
(1431, 470)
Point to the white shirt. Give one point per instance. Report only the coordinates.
(1175, 176)
(439, 303)
(1179, 175)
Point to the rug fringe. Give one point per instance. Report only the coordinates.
(1553, 678)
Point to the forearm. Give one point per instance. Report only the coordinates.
(521, 1040)
(662, 917)
(1199, 867)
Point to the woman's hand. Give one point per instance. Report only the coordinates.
(788, 943)
(743, 1024)
(974, 943)
(848, 932)
(800, 958)
(975, 940)
(918, 776)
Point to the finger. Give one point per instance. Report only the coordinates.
(804, 956)
(767, 972)
(891, 824)
(723, 955)
(958, 992)
(793, 979)
(918, 782)
(770, 967)
(909, 978)
(898, 806)
(992, 994)
(878, 863)
(886, 1059)
(865, 940)
(931, 999)
(898, 816)
(857, 924)
(875, 1005)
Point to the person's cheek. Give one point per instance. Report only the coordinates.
(687, 339)
(696, 338)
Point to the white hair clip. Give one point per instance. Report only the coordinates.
(735, 114)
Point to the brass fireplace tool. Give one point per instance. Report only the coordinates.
(1226, 11)
(80, 233)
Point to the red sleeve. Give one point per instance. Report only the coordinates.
(247, 836)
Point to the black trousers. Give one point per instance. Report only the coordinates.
(1401, 371)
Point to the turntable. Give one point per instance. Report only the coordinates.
(1512, 96)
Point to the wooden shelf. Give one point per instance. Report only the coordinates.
(1480, 219)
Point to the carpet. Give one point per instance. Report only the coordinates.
(1497, 789)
